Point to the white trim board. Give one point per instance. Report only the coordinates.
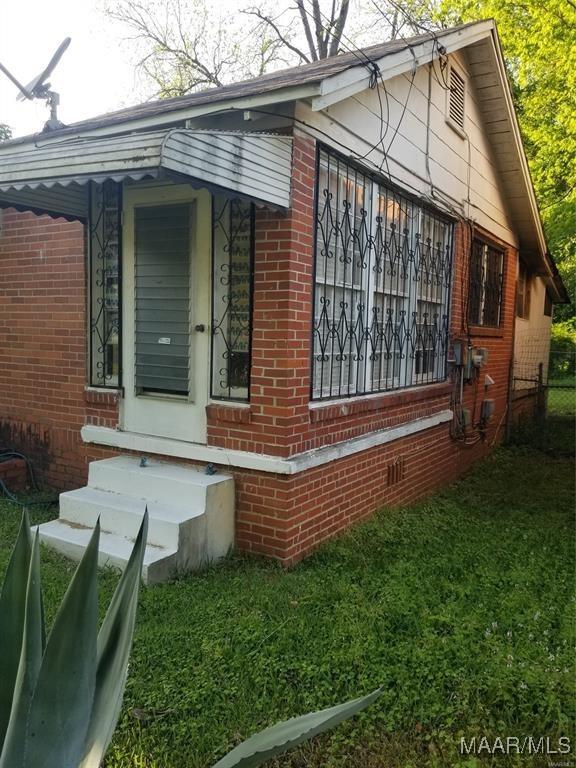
(261, 462)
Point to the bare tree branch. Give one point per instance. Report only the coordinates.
(184, 45)
(307, 29)
(321, 33)
(339, 28)
(271, 23)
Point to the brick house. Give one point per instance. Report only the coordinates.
(307, 280)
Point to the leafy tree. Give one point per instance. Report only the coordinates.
(5, 132)
(560, 223)
(189, 46)
(539, 44)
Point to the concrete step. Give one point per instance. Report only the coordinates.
(191, 515)
(173, 484)
(123, 514)
(71, 539)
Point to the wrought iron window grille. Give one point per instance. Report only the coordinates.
(104, 234)
(485, 285)
(383, 273)
(232, 286)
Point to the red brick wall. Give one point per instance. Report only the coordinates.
(280, 420)
(14, 475)
(44, 400)
(286, 517)
(280, 376)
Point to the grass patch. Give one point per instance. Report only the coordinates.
(461, 607)
(561, 399)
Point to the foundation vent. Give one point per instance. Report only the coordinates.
(396, 471)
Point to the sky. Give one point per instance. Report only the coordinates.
(95, 75)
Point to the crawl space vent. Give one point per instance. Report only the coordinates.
(396, 471)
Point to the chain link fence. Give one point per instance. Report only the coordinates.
(543, 394)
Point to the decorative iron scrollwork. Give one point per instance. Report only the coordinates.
(485, 288)
(104, 243)
(233, 226)
(383, 272)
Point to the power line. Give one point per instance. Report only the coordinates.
(375, 76)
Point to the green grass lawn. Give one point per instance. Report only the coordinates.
(461, 607)
(562, 397)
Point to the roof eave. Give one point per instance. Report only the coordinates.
(553, 280)
(357, 78)
(173, 117)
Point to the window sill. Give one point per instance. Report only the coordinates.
(102, 396)
(340, 409)
(479, 330)
(239, 413)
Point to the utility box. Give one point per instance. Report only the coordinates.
(487, 409)
(480, 356)
(460, 350)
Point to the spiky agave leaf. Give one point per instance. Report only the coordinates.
(55, 728)
(29, 664)
(12, 612)
(114, 644)
(283, 736)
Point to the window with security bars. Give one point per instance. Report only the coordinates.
(104, 246)
(232, 270)
(382, 284)
(485, 287)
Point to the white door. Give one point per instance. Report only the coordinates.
(166, 311)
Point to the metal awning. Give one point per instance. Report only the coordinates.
(52, 176)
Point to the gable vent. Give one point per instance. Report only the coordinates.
(456, 99)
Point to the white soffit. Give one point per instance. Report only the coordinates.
(52, 176)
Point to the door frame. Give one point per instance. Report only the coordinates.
(168, 415)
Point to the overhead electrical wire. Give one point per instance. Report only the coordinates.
(467, 226)
(375, 78)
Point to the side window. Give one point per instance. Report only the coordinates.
(523, 293)
(485, 285)
(548, 307)
(232, 281)
(381, 285)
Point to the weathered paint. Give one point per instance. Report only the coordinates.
(53, 176)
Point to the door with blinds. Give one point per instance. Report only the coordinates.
(166, 310)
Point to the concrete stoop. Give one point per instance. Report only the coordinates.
(191, 516)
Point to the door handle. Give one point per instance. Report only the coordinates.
(200, 327)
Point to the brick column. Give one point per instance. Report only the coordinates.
(282, 317)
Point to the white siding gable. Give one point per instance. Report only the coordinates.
(457, 161)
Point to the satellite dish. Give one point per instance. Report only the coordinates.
(40, 89)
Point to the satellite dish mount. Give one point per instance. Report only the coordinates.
(39, 88)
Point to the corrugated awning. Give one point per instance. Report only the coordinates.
(52, 177)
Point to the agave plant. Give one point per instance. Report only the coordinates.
(60, 697)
